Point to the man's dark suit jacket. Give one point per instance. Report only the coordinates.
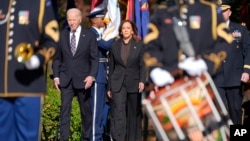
(130, 74)
(76, 68)
(237, 60)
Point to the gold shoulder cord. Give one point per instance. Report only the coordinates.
(51, 29)
(154, 34)
(41, 15)
(216, 59)
(246, 66)
(214, 17)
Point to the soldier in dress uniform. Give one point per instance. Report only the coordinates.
(99, 89)
(235, 68)
(189, 37)
(201, 46)
(29, 35)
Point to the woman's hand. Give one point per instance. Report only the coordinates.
(141, 87)
(109, 93)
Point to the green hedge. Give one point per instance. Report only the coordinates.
(50, 116)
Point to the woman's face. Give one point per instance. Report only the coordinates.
(127, 30)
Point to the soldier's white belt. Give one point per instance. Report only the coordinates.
(103, 60)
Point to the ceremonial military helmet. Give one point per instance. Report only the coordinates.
(225, 4)
(96, 13)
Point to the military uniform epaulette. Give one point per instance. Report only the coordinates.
(243, 24)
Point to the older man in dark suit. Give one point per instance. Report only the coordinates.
(75, 68)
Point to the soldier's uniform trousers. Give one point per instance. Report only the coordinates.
(20, 118)
(98, 95)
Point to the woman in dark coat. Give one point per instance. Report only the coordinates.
(126, 82)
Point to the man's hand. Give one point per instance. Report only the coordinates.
(88, 81)
(57, 83)
(244, 77)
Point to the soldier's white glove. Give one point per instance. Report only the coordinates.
(161, 77)
(32, 63)
(193, 66)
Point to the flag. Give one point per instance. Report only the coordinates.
(141, 17)
(113, 17)
(95, 3)
(130, 10)
(144, 17)
(137, 16)
(138, 12)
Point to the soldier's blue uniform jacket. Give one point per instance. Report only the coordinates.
(25, 21)
(206, 29)
(103, 48)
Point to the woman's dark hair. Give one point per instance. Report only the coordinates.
(134, 28)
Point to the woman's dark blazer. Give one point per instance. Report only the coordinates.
(130, 74)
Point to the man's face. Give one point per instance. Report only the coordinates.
(74, 20)
(99, 22)
(226, 14)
